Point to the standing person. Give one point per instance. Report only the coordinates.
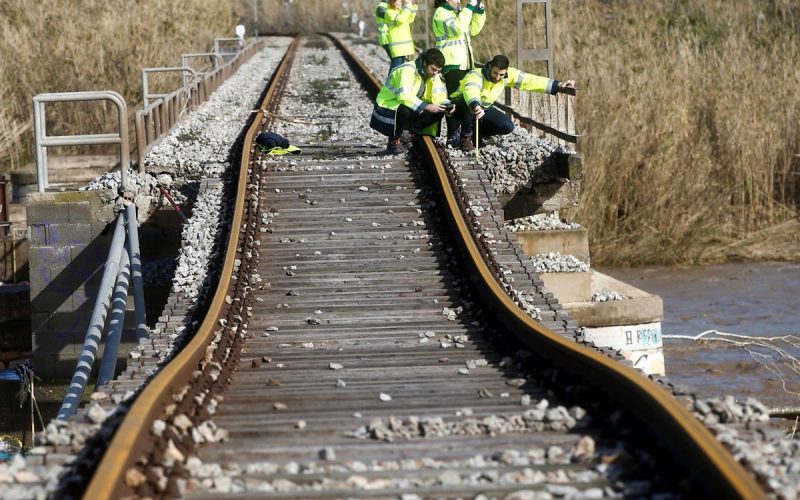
(453, 29)
(411, 99)
(383, 30)
(398, 18)
(479, 90)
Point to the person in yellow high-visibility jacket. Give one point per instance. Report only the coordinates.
(383, 30)
(398, 18)
(479, 90)
(413, 99)
(453, 29)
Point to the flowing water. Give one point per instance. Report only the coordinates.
(759, 300)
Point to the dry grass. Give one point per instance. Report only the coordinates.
(56, 46)
(691, 113)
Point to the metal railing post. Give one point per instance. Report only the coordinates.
(218, 49)
(155, 116)
(83, 370)
(4, 224)
(44, 141)
(193, 55)
(538, 54)
(136, 272)
(146, 95)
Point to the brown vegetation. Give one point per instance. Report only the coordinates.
(691, 117)
(57, 46)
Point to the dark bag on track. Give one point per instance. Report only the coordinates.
(271, 140)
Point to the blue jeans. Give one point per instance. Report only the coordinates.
(395, 62)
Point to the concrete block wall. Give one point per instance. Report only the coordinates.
(69, 237)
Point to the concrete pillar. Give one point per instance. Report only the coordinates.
(69, 243)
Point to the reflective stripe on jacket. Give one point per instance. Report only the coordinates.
(478, 89)
(453, 31)
(398, 23)
(383, 30)
(406, 85)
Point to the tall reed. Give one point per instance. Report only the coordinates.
(60, 46)
(690, 114)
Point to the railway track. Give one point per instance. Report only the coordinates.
(373, 337)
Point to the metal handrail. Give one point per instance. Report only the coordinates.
(43, 141)
(121, 265)
(156, 119)
(218, 49)
(191, 55)
(146, 95)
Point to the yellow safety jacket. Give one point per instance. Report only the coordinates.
(479, 90)
(453, 31)
(398, 22)
(407, 85)
(383, 30)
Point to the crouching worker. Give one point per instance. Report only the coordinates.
(411, 100)
(480, 88)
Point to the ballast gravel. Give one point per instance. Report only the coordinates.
(197, 148)
(606, 295)
(544, 222)
(200, 144)
(555, 262)
(774, 456)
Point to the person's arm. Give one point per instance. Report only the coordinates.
(530, 82)
(407, 93)
(455, 25)
(396, 17)
(471, 86)
(478, 19)
(411, 5)
(438, 92)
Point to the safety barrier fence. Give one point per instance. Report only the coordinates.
(123, 267)
(551, 117)
(156, 119)
(43, 141)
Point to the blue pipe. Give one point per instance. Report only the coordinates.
(136, 273)
(83, 370)
(116, 321)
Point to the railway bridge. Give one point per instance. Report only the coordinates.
(347, 324)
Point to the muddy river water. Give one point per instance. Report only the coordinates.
(759, 300)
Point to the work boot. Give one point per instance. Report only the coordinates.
(407, 138)
(466, 144)
(452, 140)
(395, 147)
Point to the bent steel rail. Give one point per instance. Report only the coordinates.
(132, 436)
(684, 434)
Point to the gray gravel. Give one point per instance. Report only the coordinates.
(197, 148)
(200, 143)
(325, 102)
(555, 262)
(515, 161)
(539, 222)
(607, 295)
(512, 162)
(538, 419)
